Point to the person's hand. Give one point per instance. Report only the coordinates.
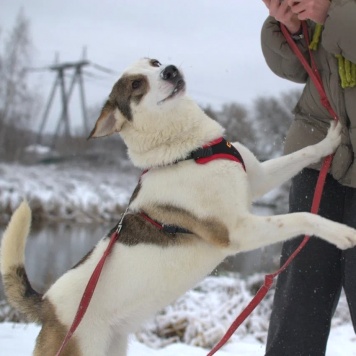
(315, 10)
(283, 13)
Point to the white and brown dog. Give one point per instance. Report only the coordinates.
(206, 207)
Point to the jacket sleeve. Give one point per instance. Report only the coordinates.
(279, 56)
(339, 34)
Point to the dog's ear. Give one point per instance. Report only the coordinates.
(109, 121)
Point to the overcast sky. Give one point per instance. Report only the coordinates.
(216, 43)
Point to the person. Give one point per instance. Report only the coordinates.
(307, 292)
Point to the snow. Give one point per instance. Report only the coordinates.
(191, 325)
(10, 334)
(342, 342)
(38, 149)
(195, 322)
(58, 192)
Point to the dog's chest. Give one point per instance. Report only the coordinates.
(159, 274)
(218, 188)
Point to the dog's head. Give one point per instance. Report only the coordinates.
(145, 92)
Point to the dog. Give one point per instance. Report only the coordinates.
(184, 217)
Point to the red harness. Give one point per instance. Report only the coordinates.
(217, 149)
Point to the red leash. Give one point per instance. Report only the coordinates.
(89, 289)
(261, 293)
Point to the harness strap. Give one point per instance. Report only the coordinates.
(169, 229)
(261, 293)
(217, 149)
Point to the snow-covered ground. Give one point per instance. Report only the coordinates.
(341, 343)
(197, 320)
(19, 339)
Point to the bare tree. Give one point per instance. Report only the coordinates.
(210, 112)
(238, 125)
(234, 117)
(17, 101)
(273, 117)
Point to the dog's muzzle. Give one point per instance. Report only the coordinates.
(172, 75)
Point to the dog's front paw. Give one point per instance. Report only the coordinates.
(332, 139)
(346, 239)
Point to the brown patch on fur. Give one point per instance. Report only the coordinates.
(24, 298)
(211, 230)
(137, 230)
(20, 293)
(125, 91)
(52, 335)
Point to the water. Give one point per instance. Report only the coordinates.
(53, 249)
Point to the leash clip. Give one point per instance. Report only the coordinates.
(119, 225)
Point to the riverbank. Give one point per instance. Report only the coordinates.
(66, 192)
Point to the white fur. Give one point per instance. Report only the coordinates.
(19, 227)
(139, 280)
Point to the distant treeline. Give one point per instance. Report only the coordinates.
(261, 127)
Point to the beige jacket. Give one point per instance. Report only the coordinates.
(311, 118)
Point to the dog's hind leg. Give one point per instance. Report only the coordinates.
(94, 338)
(257, 231)
(118, 346)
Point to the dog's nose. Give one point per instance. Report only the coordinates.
(170, 73)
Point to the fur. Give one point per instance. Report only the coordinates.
(148, 268)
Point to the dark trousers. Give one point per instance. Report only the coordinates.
(307, 292)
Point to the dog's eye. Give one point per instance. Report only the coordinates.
(155, 63)
(136, 84)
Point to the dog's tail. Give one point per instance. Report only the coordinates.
(18, 289)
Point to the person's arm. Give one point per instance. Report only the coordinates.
(279, 56)
(339, 34)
